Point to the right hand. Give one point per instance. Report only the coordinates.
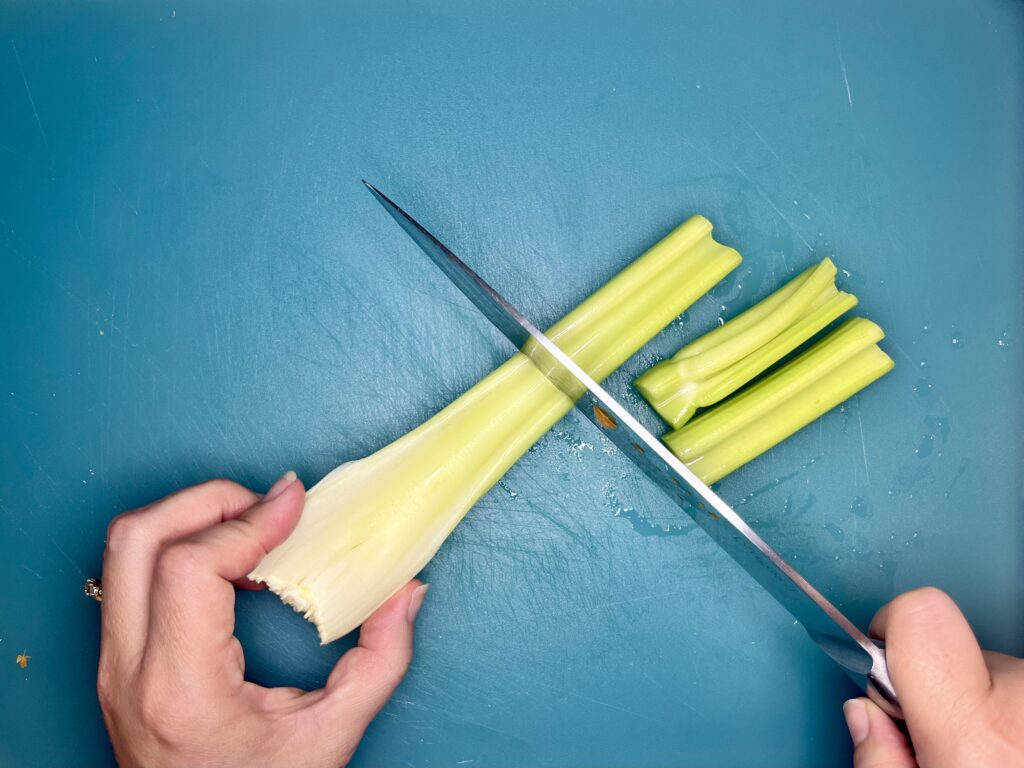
(964, 706)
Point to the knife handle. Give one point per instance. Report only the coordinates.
(879, 688)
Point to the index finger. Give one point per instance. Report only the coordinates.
(135, 538)
(191, 623)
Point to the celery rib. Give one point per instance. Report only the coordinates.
(372, 524)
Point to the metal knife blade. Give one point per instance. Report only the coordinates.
(862, 658)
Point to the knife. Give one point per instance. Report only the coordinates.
(862, 658)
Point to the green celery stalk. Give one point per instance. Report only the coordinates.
(748, 424)
(372, 524)
(720, 362)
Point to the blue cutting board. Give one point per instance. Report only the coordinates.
(195, 284)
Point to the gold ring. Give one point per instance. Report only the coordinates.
(94, 589)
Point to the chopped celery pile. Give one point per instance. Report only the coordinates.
(720, 362)
(729, 435)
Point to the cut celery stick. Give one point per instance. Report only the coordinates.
(745, 426)
(720, 362)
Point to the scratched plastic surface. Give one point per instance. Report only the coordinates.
(195, 284)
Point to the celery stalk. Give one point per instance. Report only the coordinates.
(717, 364)
(372, 524)
(745, 426)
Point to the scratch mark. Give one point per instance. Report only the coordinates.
(679, 700)
(66, 556)
(39, 464)
(31, 101)
(901, 350)
(616, 707)
(846, 79)
(564, 612)
(32, 572)
(863, 444)
(775, 208)
(782, 162)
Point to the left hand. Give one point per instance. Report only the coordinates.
(171, 672)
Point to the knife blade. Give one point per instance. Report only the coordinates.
(863, 659)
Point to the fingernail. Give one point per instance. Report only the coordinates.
(416, 601)
(278, 488)
(857, 720)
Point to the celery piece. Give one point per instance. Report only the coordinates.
(372, 524)
(720, 362)
(766, 413)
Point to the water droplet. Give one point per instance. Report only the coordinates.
(796, 202)
(807, 216)
(938, 424)
(578, 449)
(922, 388)
(510, 491)
(1004, 338)
(925, 447)
(926, 326)
(861, 507)
(957, 341)
(721, 321)
(923, 363)
(698, 86)
(846, 273)
(835, 532)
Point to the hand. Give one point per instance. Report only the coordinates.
(964, 706)
(170, 678)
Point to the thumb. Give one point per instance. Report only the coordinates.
(877, 742)
(366, 676)
(934, 659)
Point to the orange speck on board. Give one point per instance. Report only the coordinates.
(22, 660)
(604, 418)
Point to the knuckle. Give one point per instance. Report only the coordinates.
(156, 712)
(104, 684)
(926, 600)
(125, 527)
(220, 486)
(226, 492)
(389, 670)
(164, 712)
(177, 559)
